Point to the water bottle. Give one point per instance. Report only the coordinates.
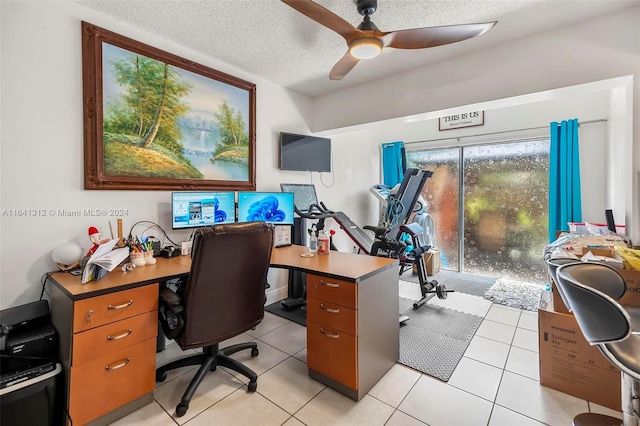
(313, 242)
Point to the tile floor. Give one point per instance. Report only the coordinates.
(495, 383)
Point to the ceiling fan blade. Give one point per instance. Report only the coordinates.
(343, 66)
(325, 17)
(419, 38)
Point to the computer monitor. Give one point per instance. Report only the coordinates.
(271, 207)
(304, 195)
(197, 209)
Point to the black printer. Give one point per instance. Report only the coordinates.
(29, 367)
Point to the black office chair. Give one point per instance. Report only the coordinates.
(223, 297)
(606, 280)
(605, 323)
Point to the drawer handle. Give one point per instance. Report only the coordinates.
(333, 336)
(330, 310)
(115, 367)
(119, 336)
(334, 285)
(124, 305)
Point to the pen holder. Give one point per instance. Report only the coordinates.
(138, 259)
(148, 258)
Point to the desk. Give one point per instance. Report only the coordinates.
(107, 329)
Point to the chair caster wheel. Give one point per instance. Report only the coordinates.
(252, 386)
(254, 352)
(181, 409)
(161, 376)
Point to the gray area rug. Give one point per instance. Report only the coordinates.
(435, 338)
(516, 294)
(458, 281)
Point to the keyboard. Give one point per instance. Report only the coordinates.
(11, 379)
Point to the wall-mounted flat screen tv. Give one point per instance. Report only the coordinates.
(305, 153)
(271, 207)
(197, 209)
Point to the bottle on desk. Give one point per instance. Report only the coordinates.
(313, 242)
(323, 243)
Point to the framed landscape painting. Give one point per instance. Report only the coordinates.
(153, 120)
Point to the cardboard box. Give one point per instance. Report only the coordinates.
(569, 364)
(432, 261)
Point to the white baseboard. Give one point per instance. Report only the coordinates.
(275, 294)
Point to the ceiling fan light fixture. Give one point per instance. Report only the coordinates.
(365, 47)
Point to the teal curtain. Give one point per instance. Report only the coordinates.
(394, 163)
(565, 202)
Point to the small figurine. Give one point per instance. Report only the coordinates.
(94, 236)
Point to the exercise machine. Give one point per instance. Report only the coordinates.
(307, 207)
(428, 288)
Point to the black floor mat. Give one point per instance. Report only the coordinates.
(296, 315)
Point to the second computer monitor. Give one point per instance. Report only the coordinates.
(271, 207)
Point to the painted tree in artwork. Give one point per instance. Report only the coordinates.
(232, 126)
(151, 105)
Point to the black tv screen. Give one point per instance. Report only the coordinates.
(305, 153)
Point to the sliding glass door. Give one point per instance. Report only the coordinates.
(501, 229)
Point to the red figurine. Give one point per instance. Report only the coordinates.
(94, 236)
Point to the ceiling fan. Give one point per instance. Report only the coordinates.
(366, 41)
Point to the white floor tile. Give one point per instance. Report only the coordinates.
(526, 396)
(501, 416)
(269, 323)
(501, 314)
(288, 385)
(436, 403)
(395, 385)
(496, 331)
(267, 358)
(293, 422)
(241, 408)
(215, 386)
(289, 338)
(172, 352)
(528, 321)
(409, 290)
(398, 418)
(526, 339)
(488, 351)
(477, 378)
(150, 414)
(595, 408)
(523, 362)
(333, 408)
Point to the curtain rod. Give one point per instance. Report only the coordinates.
(599, 120)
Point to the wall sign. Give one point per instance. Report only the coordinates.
(465, 119)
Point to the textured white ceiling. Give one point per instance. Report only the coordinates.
(271, 40)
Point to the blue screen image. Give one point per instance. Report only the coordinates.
(196, 209)
(270, 207)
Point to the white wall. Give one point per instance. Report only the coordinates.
(41, 136)
(42, 140)
(600, 49)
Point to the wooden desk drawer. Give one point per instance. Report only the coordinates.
(332, 353)
(333, 316)
(101, 310)
(343, 293)
(106, 383)
(94, 343)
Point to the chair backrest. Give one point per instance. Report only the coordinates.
(600, 317)
(552, 265)
(225, 292)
